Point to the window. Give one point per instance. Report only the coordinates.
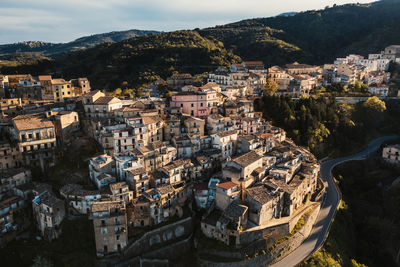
(118, 237)
(104, 231)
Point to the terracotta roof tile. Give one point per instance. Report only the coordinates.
(227, 185)
(104, 100)
(32, 123)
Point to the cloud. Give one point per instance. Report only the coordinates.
(65, 20)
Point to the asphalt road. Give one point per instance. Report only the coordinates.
(328, 209)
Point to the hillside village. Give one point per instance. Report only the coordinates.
(204, 150)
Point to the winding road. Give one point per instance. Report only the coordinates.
(328, 210)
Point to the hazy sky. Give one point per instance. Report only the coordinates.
(66, 20)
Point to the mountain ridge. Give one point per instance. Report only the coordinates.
(313, 37)
(81, 43)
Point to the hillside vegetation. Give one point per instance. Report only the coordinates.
(328, 128)
(313, 37)
(139, 60)
(82, 43)
(366, 229)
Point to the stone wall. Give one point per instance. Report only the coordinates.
(168, 233)
(269, 235)
(159, 257)
(172, 251)
(276, 251)
(264, 235)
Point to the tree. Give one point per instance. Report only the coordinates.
(354, 263)
(375, 104)
(168, 94)
(337, 87)
(139, 92)
(127, 92)
(321, 133)
(270, 87)
(346, 109)
(40, 261)
(359, 86)
(117, 92)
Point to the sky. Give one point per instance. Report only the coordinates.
(66, 20)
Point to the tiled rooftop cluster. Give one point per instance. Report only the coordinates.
(205, 142)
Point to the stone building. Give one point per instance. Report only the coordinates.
(10, 156)
(110, 226)
(225, 225)
(66, 125)
(11, 106)
(240, 169)
(120, 192)
(78, 199)
(97, 105)
(11, 178)
(226, 193)
(264, 203)
(196, 103)
(226, 142)
(194, 125)
(49, 212)
(179, 80)
(36, 140)
(154, 125)
(102, 170)
(155, 155)
(297, 68)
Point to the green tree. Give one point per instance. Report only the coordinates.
(321, 133)
(139, 92)
(168, 94)
(375, 104)
(117, 92)
(270, 87)
(354, 263)
(359, 86)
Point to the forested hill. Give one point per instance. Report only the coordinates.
(313, 37)
(138, 60)
(76, 45)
